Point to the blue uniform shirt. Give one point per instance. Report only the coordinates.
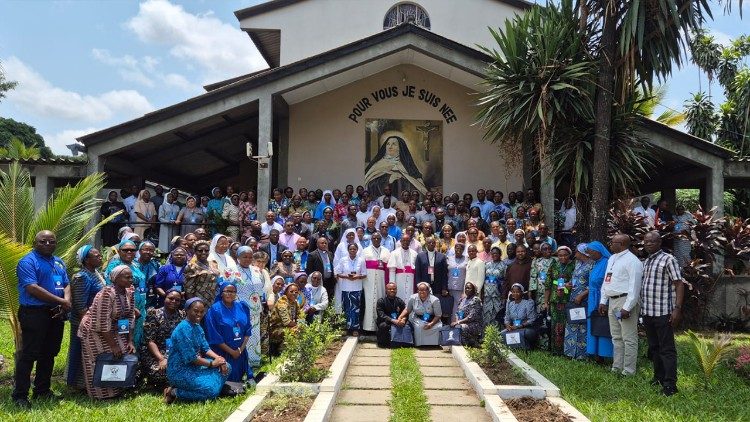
(48, 273)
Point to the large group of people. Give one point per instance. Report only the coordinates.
(202, 291)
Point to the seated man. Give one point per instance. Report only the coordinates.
(389, 308)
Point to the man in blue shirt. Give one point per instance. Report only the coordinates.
(44, 298)
(485, 207)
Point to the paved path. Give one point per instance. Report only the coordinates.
(367, 388)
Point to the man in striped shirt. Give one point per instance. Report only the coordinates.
(662, 293)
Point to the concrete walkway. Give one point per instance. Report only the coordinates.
(366, 392)
(449, 394)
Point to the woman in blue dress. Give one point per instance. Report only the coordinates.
(575, 334)
(250, 290)
(228, 330)
(598, 347)
(84, 285)
(171, 276)
(126, 256)
(194, 371)
(149, 266)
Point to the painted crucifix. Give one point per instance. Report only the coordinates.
(426, 130)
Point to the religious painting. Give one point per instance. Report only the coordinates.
(404, 154)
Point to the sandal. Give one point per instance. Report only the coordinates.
(169, 398)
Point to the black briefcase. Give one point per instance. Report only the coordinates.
(110, 372)
(599, 325)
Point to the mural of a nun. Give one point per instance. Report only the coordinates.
(393, 165)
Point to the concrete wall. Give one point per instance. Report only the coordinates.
(327, 148)
(725, 299)
(312, 27)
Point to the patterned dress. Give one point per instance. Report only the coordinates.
(575, 334)
(471, 310)
(140, 286)
(539, 276)
(494, 302)
(283, 314)
(250, 290)
(108, 307)
(83, 288)
(200, 281)
(559, 296)
(192, 382)
(157, 328)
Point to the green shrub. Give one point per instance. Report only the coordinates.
(304, 346)
(492, 350)
(710, 354)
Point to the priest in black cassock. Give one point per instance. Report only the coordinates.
(389, 308)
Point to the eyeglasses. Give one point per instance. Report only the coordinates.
(127, 250)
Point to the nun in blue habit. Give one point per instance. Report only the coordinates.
(228, 329)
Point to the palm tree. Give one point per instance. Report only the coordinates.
(702, 120)
(648, 101)
(67, 214)
(17, 150)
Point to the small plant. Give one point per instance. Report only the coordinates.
(742, 362)
(710, 354)
(492, 349)
(301, 349)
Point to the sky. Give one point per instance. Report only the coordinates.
(84, 65)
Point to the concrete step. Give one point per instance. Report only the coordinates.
(342, 413)
(371, 361)
(369, 371)
(372, 352)
(458, 413)
(366, 397)
(435, 371)
(451, 398)
(446, 383)
(437, 361)
(368, 383)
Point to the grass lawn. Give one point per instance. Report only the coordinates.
(602, 396)
(408, 402)
(144, 406)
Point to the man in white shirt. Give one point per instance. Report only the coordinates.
(646, 211)
(386, 209)
(619, 300)
(129, 203)
(270, 224)
(288, 237)
(363, 214)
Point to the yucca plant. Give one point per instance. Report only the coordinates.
(67, 214)
(710, 354)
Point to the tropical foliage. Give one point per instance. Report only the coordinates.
(709, 355)
(565, 78)
(648, 101)
(5, 85)
(17, 150)
(729, 123)
(67, 214)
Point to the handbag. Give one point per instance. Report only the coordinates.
(110, 372)
(600, 325)
(232, 389)
(446, 304)
(402, 335)
(450, 336)
(575, 314)
(515, 339)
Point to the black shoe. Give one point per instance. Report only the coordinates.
(655, 382)
(49, 395)
(669, 391)
(22, 403)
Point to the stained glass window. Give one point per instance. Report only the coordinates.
(406, 12)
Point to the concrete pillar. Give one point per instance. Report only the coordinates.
(715, 190)
(43, 189)
(95, 165)
(282, 163)
(265, 135)
(547, 195)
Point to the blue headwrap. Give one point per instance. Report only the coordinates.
(146, 242)
(596, 276)
(83, 253)
(244, 249)
(192, 300)
(220, 290)
(125, 242)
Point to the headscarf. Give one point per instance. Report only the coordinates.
(123, 229)
(600, 266)
(196, 204)
(189, 302)
(520, 286)
(125, 242)
(342, 250)
(323, 204)
(128, 236)
(140, 195)
(581, 248)
(570, 214)
(83, 253)
(214, 189)
(244, 249)
(117, 271)
(223, 285)
(314, 293)
(223, 261)
(429, 288)
(564, 248)
(299, 274)
(146, 242)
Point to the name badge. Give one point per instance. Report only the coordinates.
(394, 315)
(560, 283)
(517, 322)
(299, 300)
(426, 317)
(430, 270)
(236, 331)
(57, 279)
(123, 326)
(177, 288)
(456, 273)
(169, 346)
(288, 280)
(381, 265)
(491, 279)
(327, 267)
(608, 278)
(460, 314)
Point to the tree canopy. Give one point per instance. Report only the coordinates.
(10, 129)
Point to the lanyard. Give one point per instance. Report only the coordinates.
(124, 308)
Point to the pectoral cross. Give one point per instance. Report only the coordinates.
(425, 131)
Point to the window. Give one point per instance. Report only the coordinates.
(406, 12)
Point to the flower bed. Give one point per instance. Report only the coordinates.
(528, 409)
(281, 407)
